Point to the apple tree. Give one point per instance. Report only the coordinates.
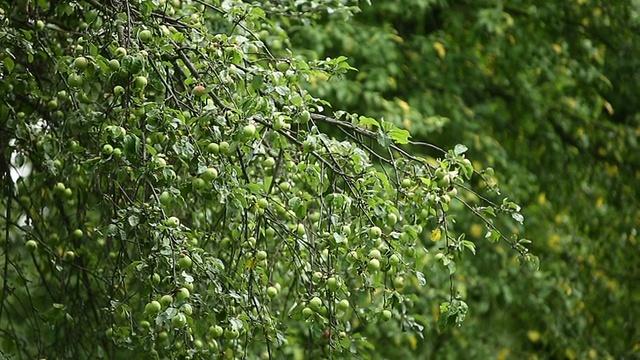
(171, 190)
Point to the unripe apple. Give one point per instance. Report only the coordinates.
(374, 265)
(118, 90)
(342, 304)
(153, 307)
(39, 24)
(179, 320)
(307, 312)
(31, 246)
(300, 230)
(249, 130)
(304, 117)
(166, 300)
(140, 82)
(165, 198)
(210, 174)
(394, 259)
(121, 52)
(183, 294)
(107, 150)
(185, 262)
(216, 330)
(398, 282)
(282, 66)
(145, 36)
(77, 233)
(385, 315)
(114, 65)
(173, 222)
(69, 255)
(375, 232)
(213, 148)
(261, 255)
(315, 303)
(75, 80)
(375, 254)
(272, 291)
(269, 162)
(80, 62)
(392, 219)
(333, 284)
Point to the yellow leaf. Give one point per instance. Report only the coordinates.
(436, 234)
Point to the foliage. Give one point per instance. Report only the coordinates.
(170, 191)
(542, 92)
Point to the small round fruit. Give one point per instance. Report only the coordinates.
(385, 315)
(163, 335)
(121, 52)
(69, 255)
(394, 259)
(114, 65)
(153, 307)
(352, 256)
(179, 320)
(375, 254)
(107, 150)
(31, 246)
(300, 230)
(307, 312)
(406, 182)
(145, 36)
(231, 333)
(398, 282)
(261, 255)
(199, 184)
(80, 62)
(187, 309)
(272, 291)
(262, 203)
(77, 233)
(315, 303)
(392, 219)
(59, 188)
(374, 265)
(185, 262)
(375, 232)
(269, 162)
(165, 198)
(342, 304)
(249, 130)
(282, 66)
(140, 82)
(118, 90)
(183, 294)
(155, 278)
(213, 148)
(333, 284)
(75, 80)
(216, 330)
(210, 174)
(145, 324)
(39, 24)
(52, 104)
(284, 186)
(166, 300)
(199, 90)
(173, 222)
(304, 117)
(225, 147)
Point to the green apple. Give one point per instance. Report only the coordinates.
(307, 312)
(342, 304)
(107, 150)
(173, 222)
(145, 36)
(77, 233)
(375, 232)
(114, 65)
(374, 265)
(398, 282)
(75, 80)
(231, 334)
(69, 255)
(282, 66)
(118, 90)
(80, 62)
(179, 320)
(261, 255)
(272, 291)
(166, 300)
(59, 188)
(199, 183)
(392, 219)
(165, 198)
(315, 303)
(375, 254)
(183, 293)
(52, 104)
(333, 284)
(394, 259)
(39, 24)
(304, 117)
(31, 246)
(300, 230)
(213, 148)
(145, 324)
(153, 307)
(385, 315)
(140, 82)
(269, 162)
(121, 52)
(216, 330)
(185, 262)
(249, 130)
(210, 174)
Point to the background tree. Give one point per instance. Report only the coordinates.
(542, 92)
(170, 191)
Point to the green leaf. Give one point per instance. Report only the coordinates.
(400, 136)
(460, 149)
